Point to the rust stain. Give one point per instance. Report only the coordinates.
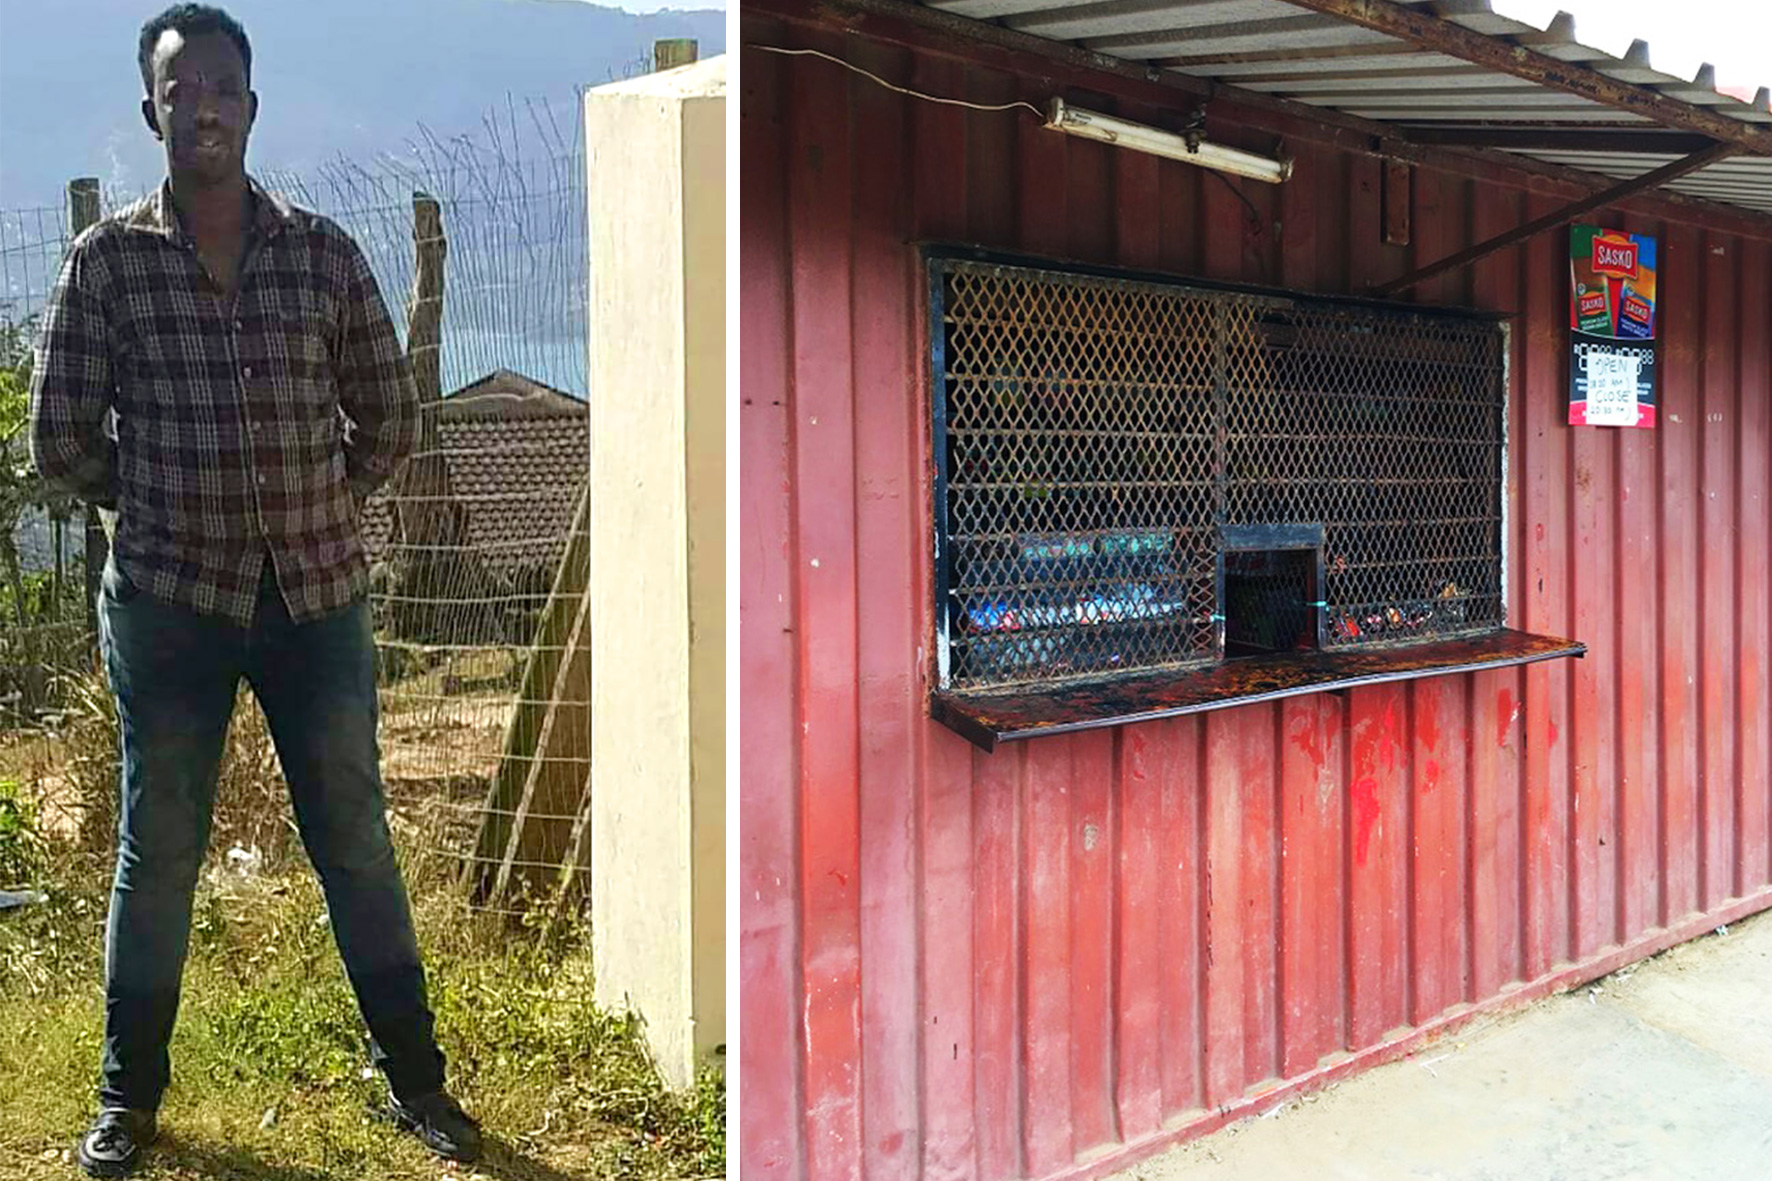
(1365, 816)
(989, 717)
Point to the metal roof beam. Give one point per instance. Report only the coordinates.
(1443, 36)
(1283, 54)
(1559, 139)
(1421, 79)
(1247, 32)
(1569, 212)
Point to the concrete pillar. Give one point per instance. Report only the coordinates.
(655, 152)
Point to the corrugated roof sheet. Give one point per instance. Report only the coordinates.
(1287, 51)
(518, 453)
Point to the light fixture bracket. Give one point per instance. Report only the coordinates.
(1189, 146)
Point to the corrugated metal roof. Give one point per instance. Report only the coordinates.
(1287, 51)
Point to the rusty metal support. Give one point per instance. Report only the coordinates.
(989, 719)
(1574, 209)
(1398, 198)
(1442, 36)
(1284, 55)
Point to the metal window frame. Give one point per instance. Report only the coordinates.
(938, 257)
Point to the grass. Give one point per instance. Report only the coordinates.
(270, 1072)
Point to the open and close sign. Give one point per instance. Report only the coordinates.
(1611, 328)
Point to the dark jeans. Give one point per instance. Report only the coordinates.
(175, 674)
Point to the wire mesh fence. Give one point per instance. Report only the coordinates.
(479, 553)
(32, 242)
(45, 637)
(512, 195)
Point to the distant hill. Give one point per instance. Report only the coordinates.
(333, 76)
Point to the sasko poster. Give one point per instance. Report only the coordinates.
(1612, 309)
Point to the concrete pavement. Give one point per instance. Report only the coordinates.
(1659, 1072)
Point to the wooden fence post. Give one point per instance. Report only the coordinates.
(670, 52)
(443, 592)
(424, 313)
(83, 211)
(58, 540)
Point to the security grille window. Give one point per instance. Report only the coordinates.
(1111, 452)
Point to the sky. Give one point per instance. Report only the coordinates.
(1735, 36)
(656, 5)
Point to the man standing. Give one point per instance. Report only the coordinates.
(200, 356)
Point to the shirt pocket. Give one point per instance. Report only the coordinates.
(146, 364)
(304, 345)
(307, 391)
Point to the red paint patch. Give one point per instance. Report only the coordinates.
(1365, 816)
(1427, 728)
(1505, 713)
(1432, 777)
(1553, 731)
(1388, 736)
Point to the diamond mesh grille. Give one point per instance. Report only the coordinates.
(1095, 436)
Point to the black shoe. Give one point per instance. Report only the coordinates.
(441, 1126)
(113, 1146)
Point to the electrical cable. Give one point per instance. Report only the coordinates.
(952, 102)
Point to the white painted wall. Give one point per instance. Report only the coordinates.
(655, 154)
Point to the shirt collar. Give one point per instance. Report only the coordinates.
(159, 214)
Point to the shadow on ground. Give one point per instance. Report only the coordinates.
(503, 1161)
(175, 1152)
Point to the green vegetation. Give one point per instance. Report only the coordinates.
(20, 488)
(21, 845)
(30, 652)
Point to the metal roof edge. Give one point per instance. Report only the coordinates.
(1427, 30)
(931, 30)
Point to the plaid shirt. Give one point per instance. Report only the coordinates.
(231, 440)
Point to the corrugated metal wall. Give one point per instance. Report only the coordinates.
(1049, 960)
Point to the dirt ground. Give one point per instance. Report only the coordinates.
(442, 736)
(1660, 1072)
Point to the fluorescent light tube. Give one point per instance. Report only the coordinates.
(1092, 125)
